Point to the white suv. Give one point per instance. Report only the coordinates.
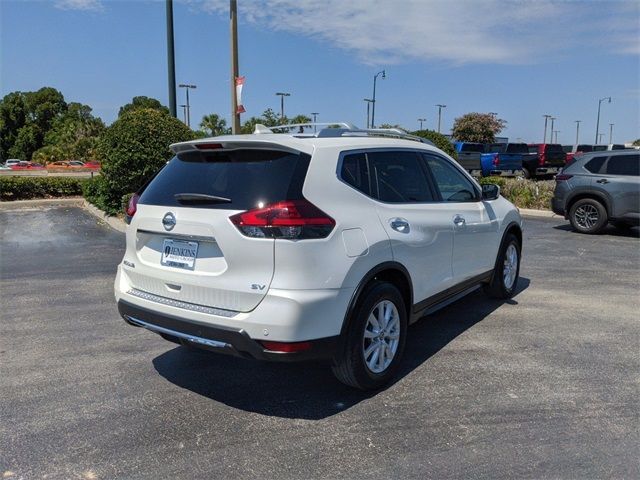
(311, 246)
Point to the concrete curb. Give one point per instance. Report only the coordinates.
(114, 222)
(529, 212)
(43, 202)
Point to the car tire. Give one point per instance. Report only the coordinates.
(506, 272)
(588, 215)
(362, 360)
(526, 173)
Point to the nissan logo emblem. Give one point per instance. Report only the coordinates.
(169, 221)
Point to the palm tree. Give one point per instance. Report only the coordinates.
(214, 125)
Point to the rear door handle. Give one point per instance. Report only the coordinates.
(400, 225)
(602, 180)
(459, 220)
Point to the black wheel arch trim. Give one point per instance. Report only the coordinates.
(510, 227)
(587, 193)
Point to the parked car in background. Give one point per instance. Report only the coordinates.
(92, 165)
(11, 162)
(27, 166)
(469, 154)
(576, 150)
(597, 188)
(616, 146)
(504, 158)
(325, 246)
(546, 159)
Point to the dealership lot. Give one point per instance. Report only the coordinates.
(545, 385)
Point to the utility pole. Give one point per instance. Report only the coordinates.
(233, 17)
(282, 95)
(440, 107)
(551, 137)
(171, 60)
(598, 121)
(546, 118)
(577, 122)
(369, 102)
(373, 99)
(421, 120)
(611, 132)
(315, 115)
(188, 87)
(184, 113)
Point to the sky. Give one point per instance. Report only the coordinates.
(521, 59)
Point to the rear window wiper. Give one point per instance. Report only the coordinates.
(200, 198)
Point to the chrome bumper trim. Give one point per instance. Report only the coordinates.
(184, 336)
(183, 305)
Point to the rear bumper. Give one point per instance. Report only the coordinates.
(230, 341)
(557, 206)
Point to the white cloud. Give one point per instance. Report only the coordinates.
(87, 5)
(454, 31)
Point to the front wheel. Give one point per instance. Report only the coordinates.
(373, 343)
(507, 270)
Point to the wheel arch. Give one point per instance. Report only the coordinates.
(602, 198)
(512, 228)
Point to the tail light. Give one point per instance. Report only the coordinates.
(289, 219)
(542, 159)
(563, 177)
(496, 159)
(132, 206)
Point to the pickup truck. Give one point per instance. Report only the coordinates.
(546, 159)
(469, 156)
(504, 158)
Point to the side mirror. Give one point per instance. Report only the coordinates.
(490, 191)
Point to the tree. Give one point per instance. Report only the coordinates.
(143, 102)
(214, 125)
(477, 127)
(28, 140)
(438, 140)
(249, 125)
(132, 149)
(388, 125)
(300, 119)
(76, 132)
(271, 119)
(636, 143)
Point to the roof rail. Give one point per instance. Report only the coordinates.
(341, 129)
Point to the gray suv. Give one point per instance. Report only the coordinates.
(599, 187)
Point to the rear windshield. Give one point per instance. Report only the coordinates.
(600, 148)
(553, 148)
(517, 148)
(533, 148)
(472, 147)
(248, 178)
(567, 148)
(584, 148)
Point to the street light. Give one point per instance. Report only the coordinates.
(556, 133)
(546, 118)
(171, 59)
(369, 102)
(373, 100)
(611, 132)
(577, 122)
(421, 120)
(282, 95)
(600, 135)
(440, 107)
(184, 113)
(598, 121)
(187, 87)
(315, 114)
(552, 120)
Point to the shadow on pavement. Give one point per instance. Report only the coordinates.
(630, 232)
(309, 390)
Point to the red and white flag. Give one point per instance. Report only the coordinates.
(239, 85)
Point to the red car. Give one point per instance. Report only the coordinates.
(27, 166)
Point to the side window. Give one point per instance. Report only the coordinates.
(399, 177)
(355, 172)
(453, 185)
(623, 165)
(595, 164)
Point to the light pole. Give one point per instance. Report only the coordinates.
(282, 95)
(315, 115)
(171, 60)
(598, 121)
(611, 132)
(440, 107)
(369, 102)
(184, 113)
(556, 136)
(551, 137)
(421, 120)
(188, 87)
(233, 24)
(600, 135)
(373, 100)
(577, 122)
(546, 118)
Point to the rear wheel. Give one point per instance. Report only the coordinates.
(507, 270)
(588, 215)
(526, 172)
(374, 340)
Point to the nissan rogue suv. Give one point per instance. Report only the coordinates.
(280, 246)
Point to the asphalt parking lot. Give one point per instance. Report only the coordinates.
(544, 386)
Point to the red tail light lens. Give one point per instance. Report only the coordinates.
(289, 219)
(563, 177)
(542, 159)
(132, 207)
(496, 159)
(287, 347)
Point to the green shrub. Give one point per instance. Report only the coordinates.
(25, 188)
(524, 193)
(438, 140)
(132, 149)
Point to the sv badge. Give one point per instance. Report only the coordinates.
(255, 286)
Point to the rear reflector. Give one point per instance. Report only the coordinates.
(208, 146)
(286, 347)
(289, 219)
(132, 206)
(496, 159)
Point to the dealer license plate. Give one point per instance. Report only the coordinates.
(179, 254)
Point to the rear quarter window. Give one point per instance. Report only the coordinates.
(355, 172)
(595, 164)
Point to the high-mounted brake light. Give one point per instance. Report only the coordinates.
(289, 219)
(208, 146)
(132, 206)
